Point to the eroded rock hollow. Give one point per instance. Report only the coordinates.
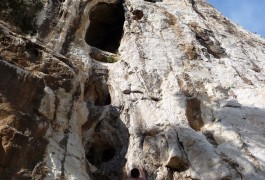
(101, 89)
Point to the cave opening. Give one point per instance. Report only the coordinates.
(106, 26)
(100, 154)
(103, 100)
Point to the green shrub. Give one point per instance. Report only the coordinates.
(111, 59)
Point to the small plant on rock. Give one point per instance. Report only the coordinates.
(111, 59)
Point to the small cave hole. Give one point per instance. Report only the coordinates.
(33, 50)
(137, 14)
(99, 154)
(106, 26)
(135, 173)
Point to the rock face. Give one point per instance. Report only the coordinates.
(93, 89)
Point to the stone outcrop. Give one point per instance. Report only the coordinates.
(93, 89)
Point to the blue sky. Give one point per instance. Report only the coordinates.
(248, 13)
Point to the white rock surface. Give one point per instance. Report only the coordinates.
(185, 99)
(165, 60)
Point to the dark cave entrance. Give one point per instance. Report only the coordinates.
(103, 100)
(106, 26)
(100, 154)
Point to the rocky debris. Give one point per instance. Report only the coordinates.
(173, 88)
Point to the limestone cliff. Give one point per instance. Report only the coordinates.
(90, 89)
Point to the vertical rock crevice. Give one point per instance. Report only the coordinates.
(193, 113)
(195, 8)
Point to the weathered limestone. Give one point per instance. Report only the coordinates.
(179, 93)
